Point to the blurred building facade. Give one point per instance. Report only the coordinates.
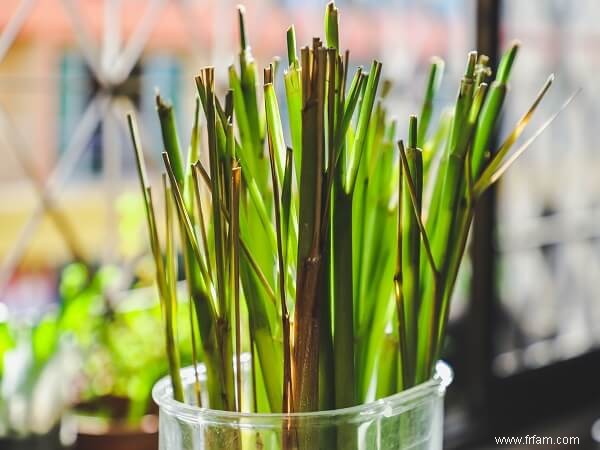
(71, 70)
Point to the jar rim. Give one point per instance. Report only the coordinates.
(162, 393)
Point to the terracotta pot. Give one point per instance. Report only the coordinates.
(118, 436)
(115, 433)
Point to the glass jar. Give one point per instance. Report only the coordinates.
(411, 419)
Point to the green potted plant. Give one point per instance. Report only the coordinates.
(38, 364)
(121, 358)
(319, 270)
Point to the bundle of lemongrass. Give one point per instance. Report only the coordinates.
(306, 255)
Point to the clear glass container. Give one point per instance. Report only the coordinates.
(412, 419)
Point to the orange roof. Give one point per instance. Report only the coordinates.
(189, 27)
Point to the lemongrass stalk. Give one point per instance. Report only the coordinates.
(491, 110)
(428, 336)
(293, 90)
(224, 297)
(369, 357)
(291, 46)
(246, 251)
(189, 187)
(215, 176)
(327, 395)
(254, 178)
(242, 122)
(170, 137)
(357, 86)
(306, 329)
(170, 303)
(403, 371)
(286, 203)
(334, 96)
(461, 229)
(374, 227)
(367, 236)
(363, 124)
(433, 83)
(411, 251)
(326, 351)
(332, 38)
(197, 195)
(172, 148)
(276, 144)
(275, 129)
(260, 308)
(482, 69)
(464, 222)
(343, 296)
(206, 308)
(448, 179)
(387, 374)
(234, 275)
(155, 247)
(461, 109)
(432, 155)
(347, 107)
(249, 83)
(196, 269)
(266, 336)
(260, 209)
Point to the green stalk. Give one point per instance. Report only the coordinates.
(374, 227)
(276, 144)
(433, 83)
(326, 352)
(388, 369)
(245, 249)
(170, 303)
(293, 91)
(249, 82)
(259, 305)
(234, 276)
(189, 191)
(364, 116)
(161, 279)
(343, 305)
(291, 46)
(448, 182)
(276, 129)
(286, 203)
(491, 111)
(197, 272)
(170, 137)
(403, 372)
(411, 250)
(205, 306)
(460, 229)
(482, 69)
(242, 121)
(332, 38)
(196, 269)
(428, 337)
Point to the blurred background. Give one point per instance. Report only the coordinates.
(525, 329)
